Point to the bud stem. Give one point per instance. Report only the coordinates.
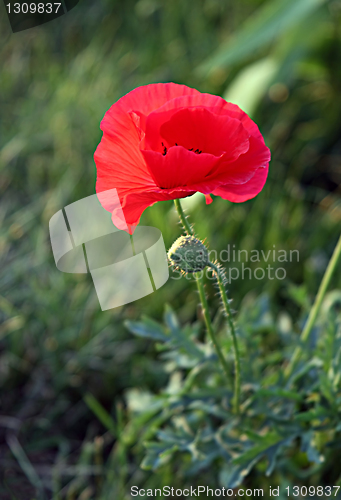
(200, 284)
(224, 299)
(209, 327)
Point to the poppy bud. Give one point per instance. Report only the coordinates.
(188, 254)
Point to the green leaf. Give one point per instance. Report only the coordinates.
(309, 448)
(232, 476)
(139, 401)
(268, 446)
(209, 408)
(331, 300)
(262, 28)
(272, 452)
(157, 455)
(264, 442)
(299, 295)
(170, 318)
(317, 413)
(147, 328)
(280, 393)
(179, 336)
(100, 412)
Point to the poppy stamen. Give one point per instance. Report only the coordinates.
(197, 151)
(164, 149)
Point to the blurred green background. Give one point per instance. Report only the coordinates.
(281, 62)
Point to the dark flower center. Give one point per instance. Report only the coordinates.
(197, 151)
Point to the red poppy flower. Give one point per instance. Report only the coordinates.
(167, 141)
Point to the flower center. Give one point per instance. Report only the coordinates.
(197, 151)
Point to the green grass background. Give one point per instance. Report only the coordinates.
(280, 61)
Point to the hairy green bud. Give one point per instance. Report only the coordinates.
(188, 254)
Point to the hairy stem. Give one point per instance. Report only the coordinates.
(226, 304)
(210, 330)
(200, 284)
(183, 219)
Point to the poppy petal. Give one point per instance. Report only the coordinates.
(213, 103)
(244, 167)
(167, 141)
(243, 192)
(134, 205)
(142, 100)
(120, 165)
(197, 129)
(179, 167)
(118, 159)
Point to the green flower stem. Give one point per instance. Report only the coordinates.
(202, 295)
(204, 305)
(183, 219)
(226, 304)
(316, 306)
